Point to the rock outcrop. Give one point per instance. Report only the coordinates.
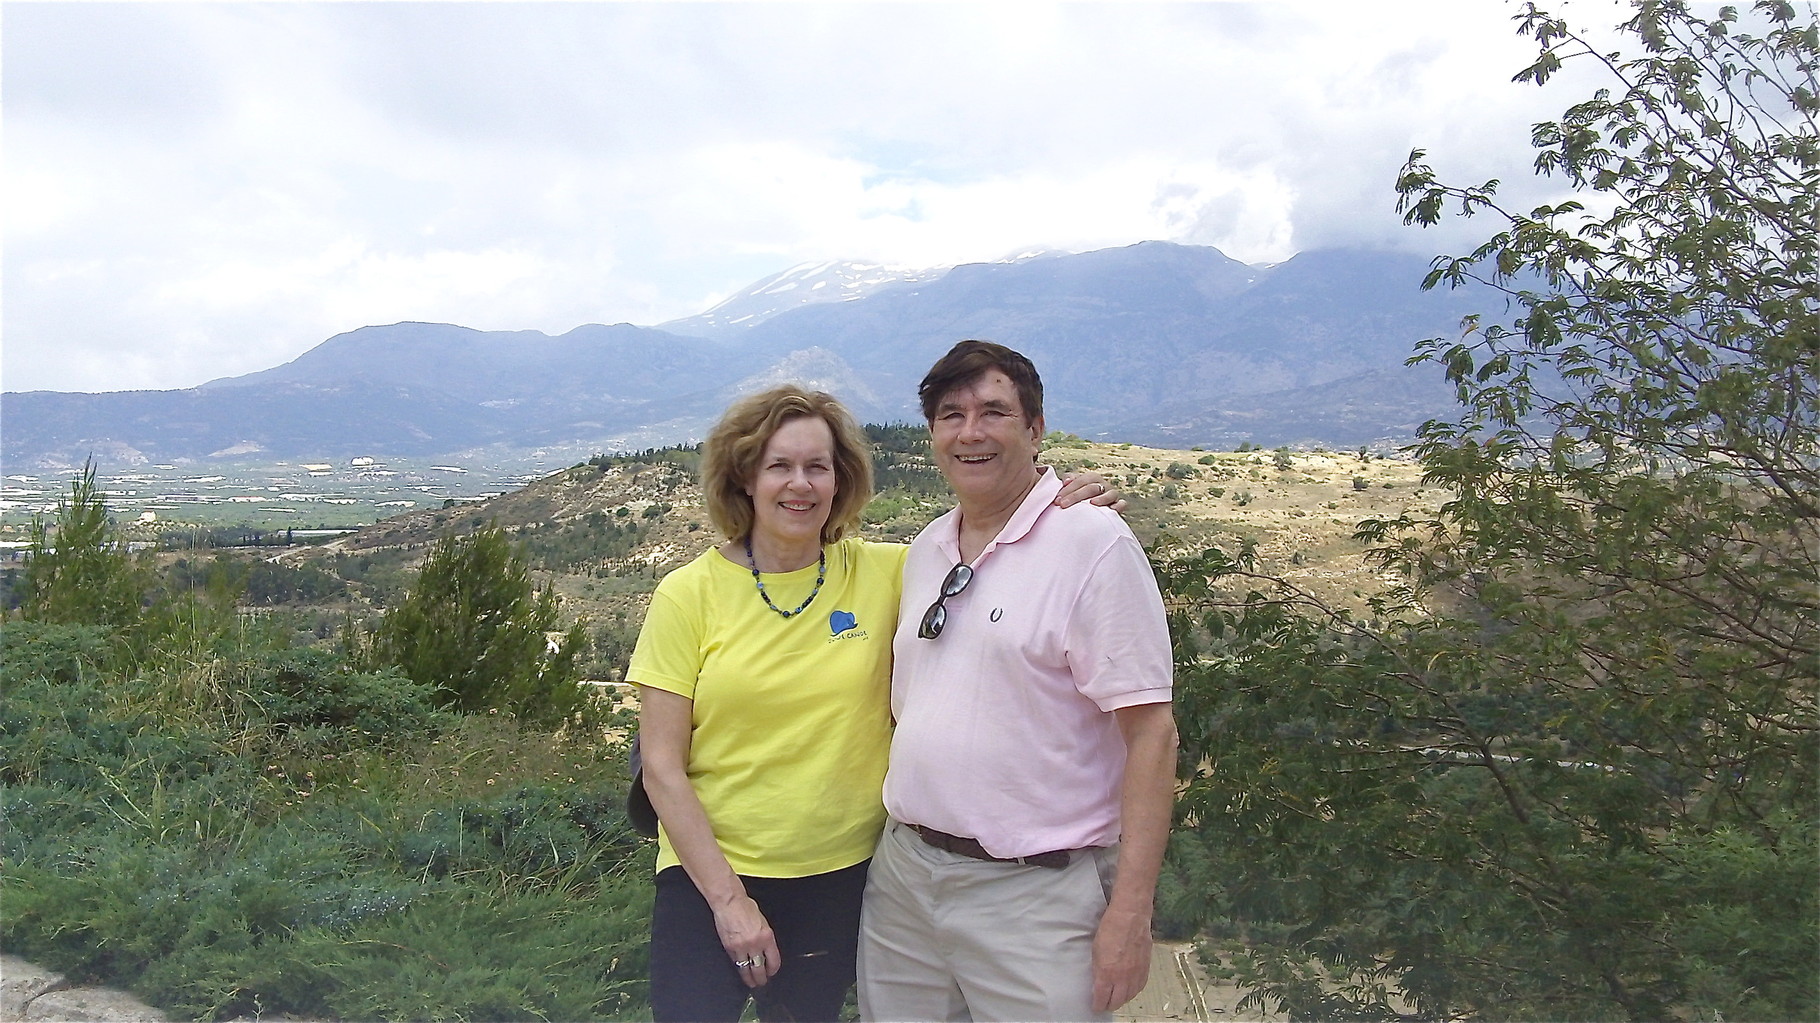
(30, 993)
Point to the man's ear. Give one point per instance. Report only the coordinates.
(1038, 430)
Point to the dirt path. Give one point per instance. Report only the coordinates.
(1179, 990)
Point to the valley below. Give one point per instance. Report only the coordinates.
(604, 531)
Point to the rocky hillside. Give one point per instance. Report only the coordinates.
(603, 532)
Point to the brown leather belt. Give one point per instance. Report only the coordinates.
(1055, 860)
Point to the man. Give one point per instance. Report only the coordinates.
(1032, 769)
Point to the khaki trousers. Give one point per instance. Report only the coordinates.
(948, 937)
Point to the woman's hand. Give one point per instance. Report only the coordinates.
(747, 937)
(1089, 486)
(665, 734)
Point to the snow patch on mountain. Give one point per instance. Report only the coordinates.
(814, 284)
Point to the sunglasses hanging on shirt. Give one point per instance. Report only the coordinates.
(937, 615)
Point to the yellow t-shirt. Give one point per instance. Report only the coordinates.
(792, 717)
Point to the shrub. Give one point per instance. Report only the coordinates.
(315, 688)
(258, 581)
(51, 651)
(474, 628)
(228, 867)
(77, 567)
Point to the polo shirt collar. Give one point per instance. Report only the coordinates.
(1040, 499)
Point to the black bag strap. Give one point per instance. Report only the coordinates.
(638, 802)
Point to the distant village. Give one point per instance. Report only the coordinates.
(302, 496)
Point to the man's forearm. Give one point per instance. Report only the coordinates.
(1147, 805)
(1122, 943)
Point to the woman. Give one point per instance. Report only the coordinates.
(764, 669)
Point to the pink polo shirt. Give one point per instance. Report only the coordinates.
(1005, 731)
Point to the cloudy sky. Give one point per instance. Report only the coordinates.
(204, 190)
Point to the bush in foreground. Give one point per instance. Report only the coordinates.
(301, 837)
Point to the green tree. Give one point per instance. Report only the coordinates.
(1571, 773)
(78, 569)
(474, 627)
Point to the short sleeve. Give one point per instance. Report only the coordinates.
(1118, 634)
(669, 652)
(888, 556)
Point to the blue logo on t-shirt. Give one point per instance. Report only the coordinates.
(841, 621)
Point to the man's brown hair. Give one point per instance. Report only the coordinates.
(966, 361)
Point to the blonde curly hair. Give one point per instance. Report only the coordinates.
(731, 454)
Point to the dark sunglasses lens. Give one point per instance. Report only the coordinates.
(933, 620)
(958, 578)
(937, 615)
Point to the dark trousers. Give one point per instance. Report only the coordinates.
(815, 920)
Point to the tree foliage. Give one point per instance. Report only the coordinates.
(1571, 772)
(476, 628)
(78, 569)
(255, 581)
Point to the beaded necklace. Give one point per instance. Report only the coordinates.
(821, 573)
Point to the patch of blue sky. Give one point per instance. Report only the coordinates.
(905, 162)
(911, 210)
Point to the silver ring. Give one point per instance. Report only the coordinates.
(1102, 487)
(745, 964)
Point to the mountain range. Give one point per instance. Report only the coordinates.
(1153, 343)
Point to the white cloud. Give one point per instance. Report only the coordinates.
(197, 190)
